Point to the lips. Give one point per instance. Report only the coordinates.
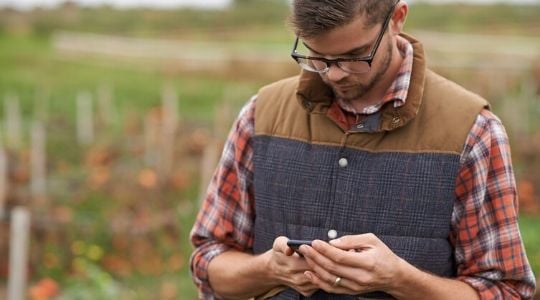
(343, 87)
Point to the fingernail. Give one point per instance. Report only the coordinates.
(308, 275)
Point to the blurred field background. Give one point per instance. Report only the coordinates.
(112, 121)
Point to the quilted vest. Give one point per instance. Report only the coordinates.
(392, 175)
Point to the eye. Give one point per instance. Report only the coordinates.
(356, 54)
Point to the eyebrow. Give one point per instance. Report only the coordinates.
(356, 50)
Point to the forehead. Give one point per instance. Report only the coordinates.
(343, 39)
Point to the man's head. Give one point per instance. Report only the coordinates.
(350, 43)
(311, 17)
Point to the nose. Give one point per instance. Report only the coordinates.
(335, 73)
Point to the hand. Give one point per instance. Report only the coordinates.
(363, 262)
(288, 268)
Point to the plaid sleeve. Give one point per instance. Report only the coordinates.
(489, 252)
(225, 219)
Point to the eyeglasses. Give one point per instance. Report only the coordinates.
(356, 65)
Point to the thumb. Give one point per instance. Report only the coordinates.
(280, 245)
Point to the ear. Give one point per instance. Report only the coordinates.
(399, 18)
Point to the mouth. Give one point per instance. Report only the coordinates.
(343, 87)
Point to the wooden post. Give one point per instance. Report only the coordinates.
(170, 105)
(85, 119)
(151, 155)
(222, 119)
(18, 253)
(212, 151)
(3, 182)
(13, 125)
(38, 161)
(107, 112)
(169, 125)
(208, 165)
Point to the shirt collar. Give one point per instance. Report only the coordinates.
(316, 97)
(397, 92)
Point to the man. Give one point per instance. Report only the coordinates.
(410, 171)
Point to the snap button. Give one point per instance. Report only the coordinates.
(343, 162)
(332, 234)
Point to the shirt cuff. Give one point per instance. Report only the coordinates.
(488, 289)
(199, 267)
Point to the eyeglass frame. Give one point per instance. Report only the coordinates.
(329, 62)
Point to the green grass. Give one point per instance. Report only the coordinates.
(530, 229)
(497, 19)
(30, 67)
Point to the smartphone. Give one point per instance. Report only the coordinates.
(295, 244)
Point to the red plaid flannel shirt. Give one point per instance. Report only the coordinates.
(489, 251)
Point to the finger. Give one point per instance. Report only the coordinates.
(324, 266)
(336, 255)
(280, 245)
(327, 270)
(300, 281)
(289, 251)
(329, 287)
(361, 277)
(337, 260)
(306, 284)
(359, 242)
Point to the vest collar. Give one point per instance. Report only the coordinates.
(315, 96)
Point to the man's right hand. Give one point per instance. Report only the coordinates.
(240, 275)
(288, 267)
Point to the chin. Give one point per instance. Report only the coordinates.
(349, 95)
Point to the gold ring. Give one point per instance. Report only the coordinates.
(337, 282)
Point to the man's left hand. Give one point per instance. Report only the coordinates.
(354, 264)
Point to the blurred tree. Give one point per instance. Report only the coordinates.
(259, 2)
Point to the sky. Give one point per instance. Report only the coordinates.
(25, 4)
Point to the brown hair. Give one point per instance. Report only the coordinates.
(313, 17)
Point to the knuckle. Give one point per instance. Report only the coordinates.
(370, 265)
(301, 281)
(363, 281)
(339, 259)
(371, 236)
(277, 243)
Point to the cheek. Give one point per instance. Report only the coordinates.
(385, 56)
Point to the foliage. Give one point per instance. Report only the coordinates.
(258, 14)
(147, 21)
(497, 19)
(115, 228)
(96, 284)
(529, 229)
